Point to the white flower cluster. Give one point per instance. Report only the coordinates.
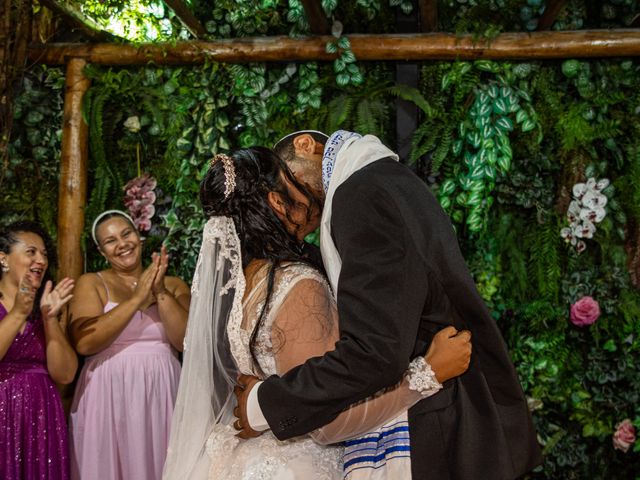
(585, 210)
(132, 124)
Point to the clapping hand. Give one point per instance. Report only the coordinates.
(25, 296)
(53, 299)
(144, 288)
(162, 261)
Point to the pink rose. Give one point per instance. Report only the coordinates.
(585, 312)
(624, 436)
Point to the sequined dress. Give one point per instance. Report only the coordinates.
(266, 457)
(33, 431)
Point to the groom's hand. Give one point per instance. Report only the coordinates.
(449, 353)
(241, 391)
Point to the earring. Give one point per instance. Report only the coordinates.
(5, 267)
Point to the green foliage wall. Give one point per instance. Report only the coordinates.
(501, 145)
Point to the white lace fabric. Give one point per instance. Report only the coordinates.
(266, 457)
(421, 377)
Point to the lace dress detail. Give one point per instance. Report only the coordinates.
(266, 457)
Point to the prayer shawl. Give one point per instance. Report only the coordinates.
(383, 454)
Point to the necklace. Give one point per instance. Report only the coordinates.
(131, 285)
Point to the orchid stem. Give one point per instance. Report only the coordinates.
(138, 158)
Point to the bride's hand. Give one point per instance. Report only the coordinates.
(449, 353)
(241, 391)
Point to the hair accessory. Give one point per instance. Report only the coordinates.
(105, 213)
(229, 173)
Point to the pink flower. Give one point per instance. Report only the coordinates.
(624, 436)
(139, 199)
(585, 312)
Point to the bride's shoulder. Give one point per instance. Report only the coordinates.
(293, 274)
(298, 270)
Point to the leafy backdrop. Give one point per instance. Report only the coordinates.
(502, 146)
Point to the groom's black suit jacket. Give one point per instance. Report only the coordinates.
(403, 278)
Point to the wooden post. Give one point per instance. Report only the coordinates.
(72, 192)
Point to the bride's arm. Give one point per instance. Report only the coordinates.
(306, 326)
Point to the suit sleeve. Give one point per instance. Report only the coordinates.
(381, 294)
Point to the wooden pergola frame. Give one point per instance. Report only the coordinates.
(426, 46)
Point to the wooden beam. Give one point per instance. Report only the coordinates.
(550, 14)
(72, 192)
(316, 17)
(186, 16)
(428, 15)
(427, 46)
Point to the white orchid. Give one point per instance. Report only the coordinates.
(585, 210)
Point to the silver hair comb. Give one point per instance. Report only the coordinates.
(229, 173)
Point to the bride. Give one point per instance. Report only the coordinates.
(261, 307)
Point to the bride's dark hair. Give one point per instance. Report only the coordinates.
(258, 171)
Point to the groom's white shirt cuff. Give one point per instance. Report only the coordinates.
(254, 412)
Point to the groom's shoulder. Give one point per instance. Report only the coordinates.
(386, 174)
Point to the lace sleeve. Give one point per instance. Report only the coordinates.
(306, 326)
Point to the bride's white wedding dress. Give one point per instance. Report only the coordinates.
(266, 457)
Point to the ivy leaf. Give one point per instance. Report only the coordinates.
(610, 345)
(476, 173)
(457, 147)
(344, 43)
(500, 106)
(528, 125)
(504, 163)
(485, 110)
(505, 124)
(348, 57)
(521, 116)
(331, 47)
(490, 172)
(447, 187)
(484, 65)
(445, 202)
(342, 79)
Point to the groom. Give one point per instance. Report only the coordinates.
(400, 279)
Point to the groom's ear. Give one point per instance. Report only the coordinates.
(305, 144)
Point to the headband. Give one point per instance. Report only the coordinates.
(102, 215)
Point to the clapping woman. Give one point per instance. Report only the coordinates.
(34, 353)
(129, 322)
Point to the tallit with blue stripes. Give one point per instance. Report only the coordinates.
(383, 454)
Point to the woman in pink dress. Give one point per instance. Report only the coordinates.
(128, 322)
(34, 352)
